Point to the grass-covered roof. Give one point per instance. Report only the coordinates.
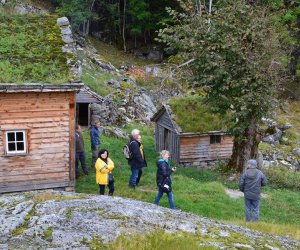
(193, 115)
(31, 50)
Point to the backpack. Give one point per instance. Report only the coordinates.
(127, 151)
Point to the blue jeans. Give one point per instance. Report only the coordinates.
(80, 156)
(252, 209)
(170, 197)
(134, 176)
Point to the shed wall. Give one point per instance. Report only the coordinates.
(194, 150)
(49, 120)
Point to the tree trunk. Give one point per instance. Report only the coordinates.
(124, 26)
(246, 148)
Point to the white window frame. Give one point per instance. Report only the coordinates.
(16, 152)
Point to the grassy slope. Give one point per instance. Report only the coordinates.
(197, 191)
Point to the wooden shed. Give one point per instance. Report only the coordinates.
(84, 98)
(37, 111)
(189, 148)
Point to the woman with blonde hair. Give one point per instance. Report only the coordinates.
(104, 167)
(163, 178)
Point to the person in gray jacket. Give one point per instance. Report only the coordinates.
(251, 182)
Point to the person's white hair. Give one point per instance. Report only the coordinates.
(164, 152)
(135, 132)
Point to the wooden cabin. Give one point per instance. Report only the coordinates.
(189, 148)
(37, 119)
(84, 98)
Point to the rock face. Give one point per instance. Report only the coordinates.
(61, 220)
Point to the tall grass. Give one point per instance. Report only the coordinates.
(197, 191)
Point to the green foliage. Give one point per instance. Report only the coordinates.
(77, 10)
(140, 16)
(231, 50)
(31, 50)
(283, 178)
(192, 114)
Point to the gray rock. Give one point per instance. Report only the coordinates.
(62, 21)
(75, 220)
(115, 132)
(66, 31)
(296, 151)
(285, 126)
(67, 39)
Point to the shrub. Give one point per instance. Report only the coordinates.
(283, 178)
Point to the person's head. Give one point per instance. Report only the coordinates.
(139, 138)
(103, 154)
(78, 128)
(135, 133)
(252, 163)
(165, 154)
(97, 124)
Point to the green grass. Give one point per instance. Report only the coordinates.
(193, 115)
(197, 191)
(31, 49)
(110, 53)
(96, 80)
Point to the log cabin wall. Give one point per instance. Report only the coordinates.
(198, 150)
(47, 119)
(166, 137)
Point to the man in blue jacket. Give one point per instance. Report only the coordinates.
(95, 142)
(251, 182)
(138, 160)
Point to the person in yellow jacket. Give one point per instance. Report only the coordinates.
(104, 167)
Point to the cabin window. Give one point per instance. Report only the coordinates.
(215, 139)
(16, 142)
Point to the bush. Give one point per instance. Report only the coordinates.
(283, 178)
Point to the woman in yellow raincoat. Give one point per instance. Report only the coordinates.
(104, 167)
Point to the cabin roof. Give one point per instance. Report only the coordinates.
(192, 116)
(31, 51)
(86, 95)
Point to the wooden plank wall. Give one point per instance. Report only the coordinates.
(173, 139)
(46, 116)
(194, 150)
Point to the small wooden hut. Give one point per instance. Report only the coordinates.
(37, 100)
(195, 147)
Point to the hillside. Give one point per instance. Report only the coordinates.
(56, 220)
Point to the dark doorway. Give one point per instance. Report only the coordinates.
(83, 114)
(166, 139)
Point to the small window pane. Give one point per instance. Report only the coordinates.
(11, 136)
(11, 146)
(20, 146)
(20, 136)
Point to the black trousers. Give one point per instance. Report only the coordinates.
(111, 188)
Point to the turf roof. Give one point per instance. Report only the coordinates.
(31, 50)
(193, 115)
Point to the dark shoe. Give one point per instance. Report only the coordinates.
(86, 173)
(131, 186)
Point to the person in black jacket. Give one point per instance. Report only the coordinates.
(138, 160)
(251, 182)
(163, 178)
(80, 154)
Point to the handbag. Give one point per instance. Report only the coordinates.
(111, 178)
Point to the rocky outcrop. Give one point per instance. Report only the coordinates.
(61, 220)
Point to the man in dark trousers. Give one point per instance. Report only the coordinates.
(138, 160)
(95, 142)
(80, 154)
(251, 182)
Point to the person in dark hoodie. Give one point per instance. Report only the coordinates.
(138, 160)
(251, 182)
(80, 154)
(163, 178)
